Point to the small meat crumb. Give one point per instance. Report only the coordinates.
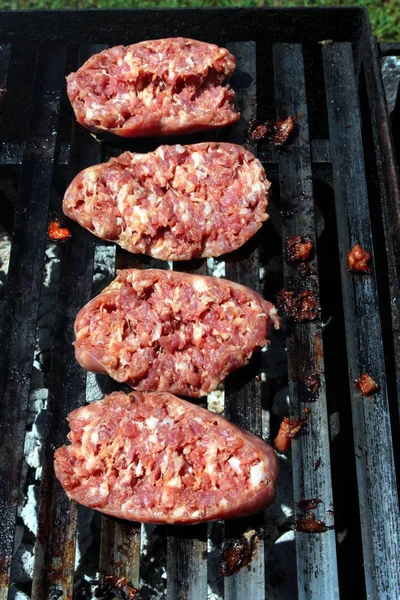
(358, 259)
(274, 132)
(299, 307)
(57, 233)
(298, 248)
(287, 430)
(114, 587)
(367, 385)
(310, 524)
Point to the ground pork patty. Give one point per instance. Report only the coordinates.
(169, 331)
(156, 87)
(159, 459)
(177, 203)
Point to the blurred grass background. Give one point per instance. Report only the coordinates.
(384, 15)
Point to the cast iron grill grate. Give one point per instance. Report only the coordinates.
(335, 181)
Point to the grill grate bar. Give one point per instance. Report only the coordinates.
(55, 544)
(242, 390)
(316, 554)
(187, 546)
(23, 287)
(371, 424)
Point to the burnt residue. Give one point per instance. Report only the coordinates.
(308, 504)
(308, 387)
(317, 464)
(111, 587)
(275, 133)
(298, 248)
(304, 269)
(299, 307)
(239, 552)
(288, 428)
(309, 524)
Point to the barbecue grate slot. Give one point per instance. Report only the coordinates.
(319, 183)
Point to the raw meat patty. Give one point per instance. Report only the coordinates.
(177, 203)
(157, 87)
(158, 459)
(169, 331)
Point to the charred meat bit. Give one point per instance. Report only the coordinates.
(299, 307)
(298, 248)
(309, 504)
(57, 233)
(358, 259)
(306, 411)
(310, 524)
(287, 430)
(275, 133)
(115, 587)
(367, 385)
(238, 552)
(312, 383)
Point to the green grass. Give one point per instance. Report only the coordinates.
(384, 15)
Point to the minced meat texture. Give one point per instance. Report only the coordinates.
(159, 459)
(169, 331)
(177, 203)
(156, 87)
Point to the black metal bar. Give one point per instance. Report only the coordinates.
(5, 54)
(389, 187)
(379, 509)
(389, 48)
(23, 288)
(317, 574)
(242, 389)
(55, 543)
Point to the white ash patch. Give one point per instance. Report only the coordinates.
(216, 267)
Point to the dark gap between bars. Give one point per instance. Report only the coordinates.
(372, 439)
(316, 554)
(24, 285)
(55, 545)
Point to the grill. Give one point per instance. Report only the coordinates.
(336, 181)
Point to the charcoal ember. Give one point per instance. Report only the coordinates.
(301, 307)
(310, 524)
(275, 133)
(115, 587)
(238, 552)
(358, 259)
(298, 248)
(367, 384)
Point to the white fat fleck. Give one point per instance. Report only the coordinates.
(195, 514)
(223, 502)
(197, 332)
(182, 366)
(151, 422)
(234, 463)
(207, 208)
(174, 482)
(94, 438)
(257, 187)
(141, 213)
(161, 153)
(89, 113)
(261, 315)
(257, 474)
(180, 149)
(119, 221)
(197, 159)
(139, 469)
(200, 285)
(153, 439)
(178, 512)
